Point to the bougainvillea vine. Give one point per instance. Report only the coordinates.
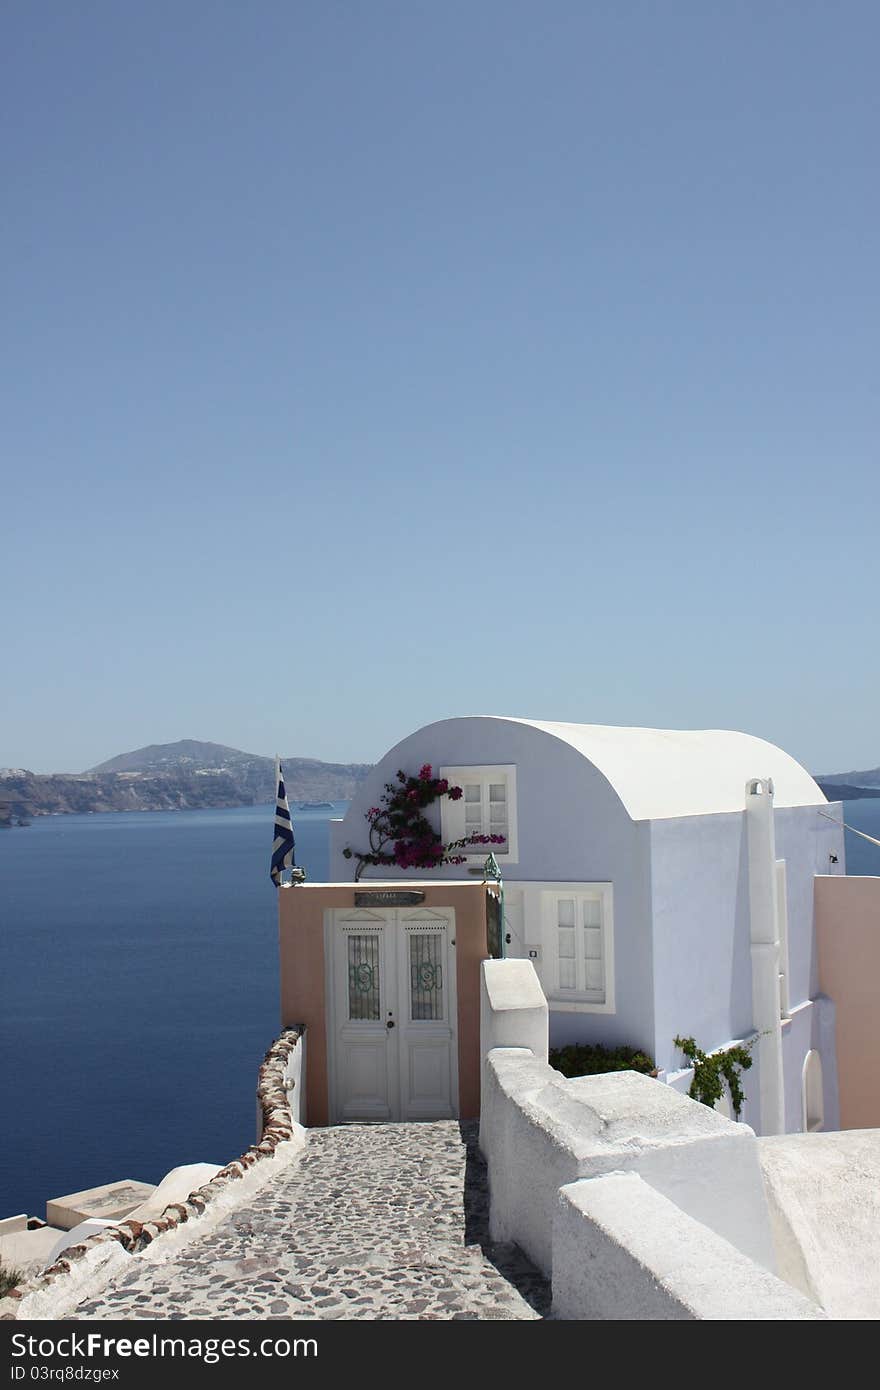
(400, 833)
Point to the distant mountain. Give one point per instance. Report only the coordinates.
(306, 779)
(187, 775)
(167, 757)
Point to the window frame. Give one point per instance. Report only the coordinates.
(580, 1000)
(452, 826)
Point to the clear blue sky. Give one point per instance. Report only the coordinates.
(364, 364)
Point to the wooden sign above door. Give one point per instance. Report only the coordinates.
(388, 898)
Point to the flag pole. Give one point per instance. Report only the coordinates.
(297, 875)
(283, 845)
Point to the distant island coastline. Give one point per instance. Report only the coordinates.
(850, 786)
(184, 776)
(193, 776)
(844, 791)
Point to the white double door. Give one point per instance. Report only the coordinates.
(393, 1053)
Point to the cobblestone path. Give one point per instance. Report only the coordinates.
(372, 1221)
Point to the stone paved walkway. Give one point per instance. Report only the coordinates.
(372, 1221)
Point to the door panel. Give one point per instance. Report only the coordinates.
(426, 990)
(366, 1066)
(427, 1081)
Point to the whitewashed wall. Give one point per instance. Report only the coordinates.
(701, 947)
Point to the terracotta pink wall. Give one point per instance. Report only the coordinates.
(848, 934)
(301, 929)
(303, 991)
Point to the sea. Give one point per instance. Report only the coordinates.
(138, 991)
(140, 988)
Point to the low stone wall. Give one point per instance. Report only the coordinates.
(277, 1125)
(281, 1084)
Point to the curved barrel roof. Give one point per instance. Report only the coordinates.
(662, 773)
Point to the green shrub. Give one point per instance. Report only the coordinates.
(8, 1278)
(712, 1069)
(591, 1059)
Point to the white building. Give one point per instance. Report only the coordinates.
(660, 880)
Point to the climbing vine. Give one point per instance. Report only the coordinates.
(712, 1070)
(401, 834)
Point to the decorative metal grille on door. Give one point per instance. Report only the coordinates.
(363, 977)
(426, 976)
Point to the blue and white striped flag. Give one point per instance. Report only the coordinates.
(283, 846)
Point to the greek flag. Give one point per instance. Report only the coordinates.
(283, 847)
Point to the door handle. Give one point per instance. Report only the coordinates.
(390, 1023)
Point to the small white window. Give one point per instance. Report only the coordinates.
(578, 935)
(813, 1098)
(487, 807)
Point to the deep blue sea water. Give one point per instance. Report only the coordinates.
(862, 858)
(140, 989)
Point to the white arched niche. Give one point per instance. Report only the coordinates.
(811, 1088)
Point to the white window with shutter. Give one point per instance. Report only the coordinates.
(578, 941)
(487, 807)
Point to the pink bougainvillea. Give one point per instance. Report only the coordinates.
(401, 835)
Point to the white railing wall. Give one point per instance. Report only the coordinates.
(551, 1146)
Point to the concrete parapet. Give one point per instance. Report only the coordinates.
(513, 1013)
(513, 1009)
(823, 1192)
(623, 1251)
(540, 1132)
